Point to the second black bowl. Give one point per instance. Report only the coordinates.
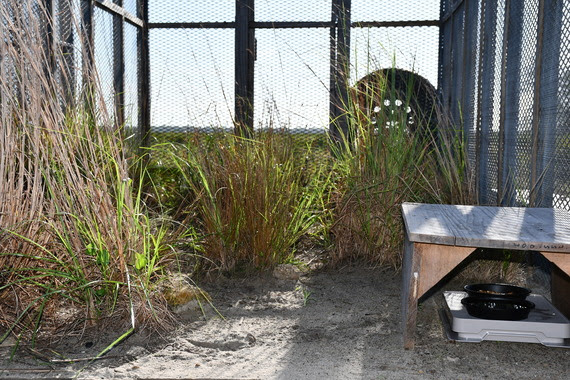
(497, 308)
(505, 291)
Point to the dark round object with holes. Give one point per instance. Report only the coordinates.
(497, 308)
(382, 92)
(504, 291)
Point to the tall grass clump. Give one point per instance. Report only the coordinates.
(395, 151)
(254, 198)
(74, 232)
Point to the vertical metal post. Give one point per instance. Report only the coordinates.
(441, 47)
(244, 67)
(457, 65)
(143, 74)
(510, 94)
(66, 38)
(48, 24)
(546, 102)
(119, 68)
(485, 95)
(468, 79)
(446, 66)
(333, 97)
(340, 70)
(88, 58)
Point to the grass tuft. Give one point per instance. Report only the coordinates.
(394, 153)
(74, 227)
(253, 198)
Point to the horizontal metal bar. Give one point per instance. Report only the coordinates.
(158, 129)
(393, 24)
(119, 11)
(191, 25)
(289, 24)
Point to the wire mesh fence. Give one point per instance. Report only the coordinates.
(501, 67)
(517, 126)
(79, 35)
(198, 80)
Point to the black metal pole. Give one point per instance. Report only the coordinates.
(244, 67)
(48, 37)
(143, 74)
(340, 70)
(88, 58)
(66, 37)
(119, 68)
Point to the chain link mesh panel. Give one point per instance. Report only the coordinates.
(294, 10)
(410, 48)
(560, 157)
(131, 6)
(389, 10)
(510, 96)
(131, 100)
(192, 79)
(173, 11)
(66, 27)
(104, 43)
(521, 145)
(192, 57)
(493, 164)
(292, 79)
(522, 138)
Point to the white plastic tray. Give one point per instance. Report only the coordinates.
(545, 324)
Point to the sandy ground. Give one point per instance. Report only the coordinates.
(342, 324)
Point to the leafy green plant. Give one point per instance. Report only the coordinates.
(306, 294)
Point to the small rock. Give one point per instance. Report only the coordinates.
(287, 272)
(250, 339)
(178, 292)
(453, 360)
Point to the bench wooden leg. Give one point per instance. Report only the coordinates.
(424, 266)
(560, 287)
(410, 284)
(560, 282)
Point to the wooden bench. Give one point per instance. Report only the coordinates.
(439, 237)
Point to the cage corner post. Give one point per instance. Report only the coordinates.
(245, 55)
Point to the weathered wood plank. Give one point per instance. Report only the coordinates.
(436, 262)
(539, 229)
(561, 260)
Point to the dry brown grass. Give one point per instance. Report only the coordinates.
(391, 160)
(73, 229)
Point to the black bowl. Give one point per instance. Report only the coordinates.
(497, 308)
(504, 291)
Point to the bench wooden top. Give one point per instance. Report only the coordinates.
(520, 228)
